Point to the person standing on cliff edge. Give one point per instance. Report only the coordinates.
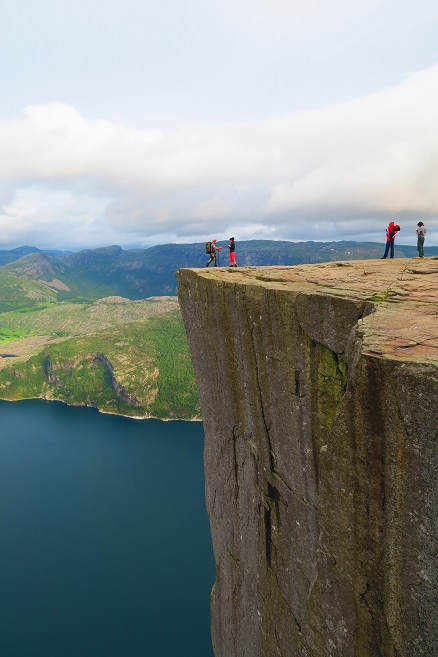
(211, 248)
(421, 234)
(232, 247)
(391, 232)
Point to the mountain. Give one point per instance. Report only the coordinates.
(140, 273)
(14, 254)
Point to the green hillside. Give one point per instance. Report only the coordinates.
(23, 294)
(67, 318)
(121, 356)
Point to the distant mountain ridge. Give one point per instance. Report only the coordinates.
(140, 273)
(14, 254)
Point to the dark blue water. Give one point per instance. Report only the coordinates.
(105, 548)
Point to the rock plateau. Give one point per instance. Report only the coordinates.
(318, 388)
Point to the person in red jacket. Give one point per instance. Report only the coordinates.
(391, 232)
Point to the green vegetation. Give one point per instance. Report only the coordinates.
(68, 343)
(70, 318)
(384, 295)
(9, 335)
(121, 356)
(176, 381)
(22, 294)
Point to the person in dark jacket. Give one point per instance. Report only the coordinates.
(421, 234)
(391, 232)
(232, 247)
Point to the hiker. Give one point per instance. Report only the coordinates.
(421, 234)
(232, 247)
(210, 247)
(391, 232)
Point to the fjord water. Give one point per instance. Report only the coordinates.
(105, 548)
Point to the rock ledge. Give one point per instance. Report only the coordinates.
(318, 387)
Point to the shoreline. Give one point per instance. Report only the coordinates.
(131, 417)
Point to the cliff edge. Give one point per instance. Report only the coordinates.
(318, 387)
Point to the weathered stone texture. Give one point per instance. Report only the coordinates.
(318, 388)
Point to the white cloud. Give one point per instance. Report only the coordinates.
(41, 216)
(79, 182)
(376, 154)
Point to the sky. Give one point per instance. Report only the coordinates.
(142, 122)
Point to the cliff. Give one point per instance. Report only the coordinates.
(318, 387)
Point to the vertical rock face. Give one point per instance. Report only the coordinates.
(319, 403)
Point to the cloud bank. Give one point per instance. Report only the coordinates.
(335, 173)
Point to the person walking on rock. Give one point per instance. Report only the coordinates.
(421, 234)
(391, 232)
(211, 248)
(232, 247)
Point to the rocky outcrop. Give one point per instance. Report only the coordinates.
(318, 388)
(57, 375)
(117, 387)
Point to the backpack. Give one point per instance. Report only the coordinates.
(208, 247)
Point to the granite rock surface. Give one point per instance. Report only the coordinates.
(318, 387)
